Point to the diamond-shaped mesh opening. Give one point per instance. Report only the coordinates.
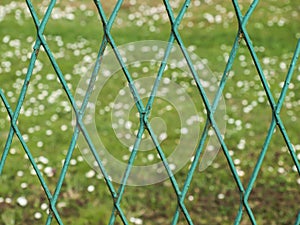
(208, 194)
(248, 99)
(226, 192)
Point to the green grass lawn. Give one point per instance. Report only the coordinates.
(74, 34)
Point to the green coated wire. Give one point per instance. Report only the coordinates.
(144, 112)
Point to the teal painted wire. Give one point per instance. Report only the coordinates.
(275, 111)
(242, 23)
(209, 110)
(280, 103)
(207, 126)
(79, 114)
(23, 93)
(14, 116)
(210, 118)
(27, 151)
(298, 219)
(272, 127)
(143, 116)
(145, 111)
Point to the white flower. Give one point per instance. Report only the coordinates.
(91, 188)
(22, 201)
(37, 215)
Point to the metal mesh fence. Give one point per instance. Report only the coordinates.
(144, 110)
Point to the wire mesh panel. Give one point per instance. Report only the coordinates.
(211, 126)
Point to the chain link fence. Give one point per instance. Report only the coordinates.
(144, 109)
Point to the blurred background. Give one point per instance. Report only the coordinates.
(208, 29)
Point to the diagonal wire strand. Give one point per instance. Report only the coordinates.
(76, 132)
(210, 111)
(28, 153)
(276, 120)
(143, 115)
